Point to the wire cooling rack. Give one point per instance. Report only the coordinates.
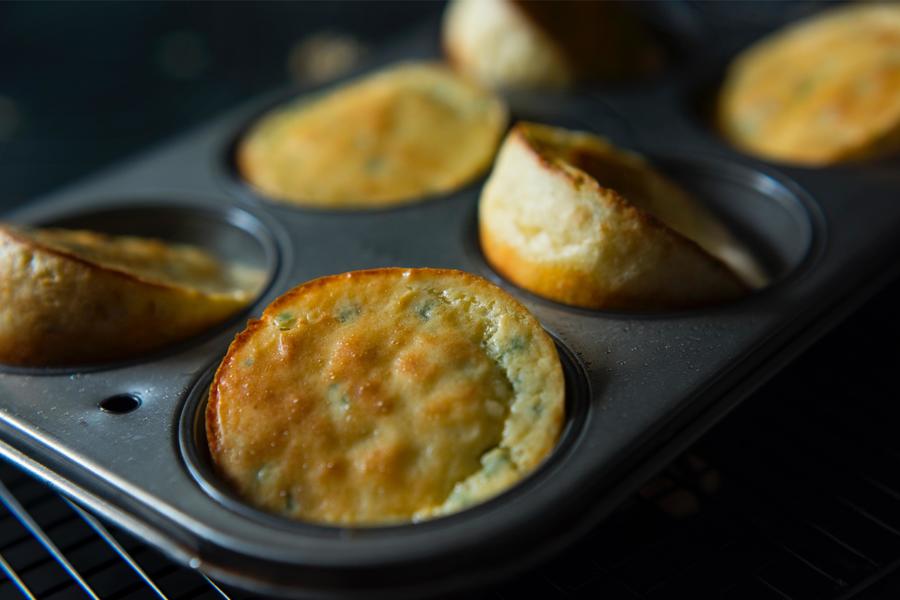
(796, 495)
(52, 548)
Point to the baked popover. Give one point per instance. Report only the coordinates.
(385, 396)
(569, 217)
(822, 91)
(527, 44)
(72, 297)
(393, 137)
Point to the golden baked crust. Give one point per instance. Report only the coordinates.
(402, 134)
(568, 217)
(381, 396)
(822, 91)
(526, 44)
(78, 297)
(497, 44)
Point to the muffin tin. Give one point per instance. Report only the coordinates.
(639, 386)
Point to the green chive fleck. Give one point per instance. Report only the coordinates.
(375, 164)
(494, 461)
(516, 344)
(424, 310)
(335, 396)
(285, 321)
(348, 313)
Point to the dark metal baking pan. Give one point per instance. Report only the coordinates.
(641, 385)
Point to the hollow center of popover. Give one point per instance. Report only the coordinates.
(370, 404)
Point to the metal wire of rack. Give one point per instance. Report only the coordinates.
(794, 496)
(52, 548)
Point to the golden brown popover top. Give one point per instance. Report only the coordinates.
(399, 135)
(383, 396)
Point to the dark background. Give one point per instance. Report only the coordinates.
(83, 84)
(86, 84)
(795, 495)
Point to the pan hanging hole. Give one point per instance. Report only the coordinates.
(120, 404)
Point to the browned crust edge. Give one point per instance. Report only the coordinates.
(520, 134)
(29, 242)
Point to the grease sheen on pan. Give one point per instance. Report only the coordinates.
(399, 135)
(383, 396)
(824, 90)
(567, 216)
(71, 297)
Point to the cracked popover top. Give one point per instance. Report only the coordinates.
(384, 396)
